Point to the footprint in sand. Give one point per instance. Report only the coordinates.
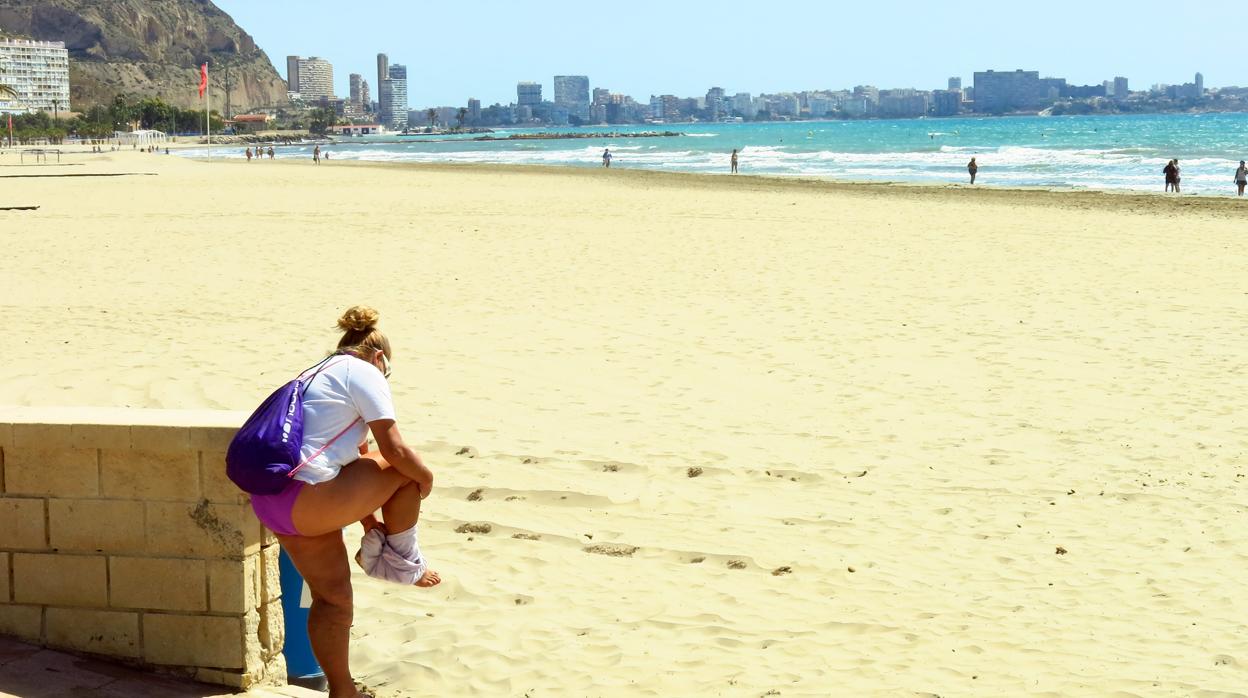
(474, 527)
(736, 564)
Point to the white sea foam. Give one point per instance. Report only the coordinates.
(1117, 167)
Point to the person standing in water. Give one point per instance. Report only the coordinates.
(734, 160)
(606, 158)
(316, 155)
(1170, 172)
(973, 169)
(1177, 175)
(1241, 177)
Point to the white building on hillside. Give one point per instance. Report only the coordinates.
(38, 71)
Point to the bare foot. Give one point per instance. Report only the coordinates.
(429, 579)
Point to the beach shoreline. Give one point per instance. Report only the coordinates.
(1221, 202)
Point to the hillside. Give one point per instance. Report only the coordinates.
(149, 48)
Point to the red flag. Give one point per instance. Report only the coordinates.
(203, 79)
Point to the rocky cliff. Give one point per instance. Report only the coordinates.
(149, 48)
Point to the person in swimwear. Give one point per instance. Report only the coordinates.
(340, 481)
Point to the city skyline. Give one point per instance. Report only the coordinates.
(762, 50)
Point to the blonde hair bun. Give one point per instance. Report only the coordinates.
(360, 318)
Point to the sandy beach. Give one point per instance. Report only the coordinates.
(709, 436)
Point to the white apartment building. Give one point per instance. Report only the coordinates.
(38, 71)
(312, 77)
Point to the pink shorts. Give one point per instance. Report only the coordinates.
(274, 510)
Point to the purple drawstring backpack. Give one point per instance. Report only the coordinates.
(264, 455)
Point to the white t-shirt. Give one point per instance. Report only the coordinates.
(346, 390)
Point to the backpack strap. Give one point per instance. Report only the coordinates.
(319, 367)
(321, 450)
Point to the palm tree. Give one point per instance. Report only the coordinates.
(433, 117)
(461, 116)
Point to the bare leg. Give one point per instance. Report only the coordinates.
(402, 510)
(400, 513)
(361, 488)
(322, 560)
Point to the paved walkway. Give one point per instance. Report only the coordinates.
(31, 672)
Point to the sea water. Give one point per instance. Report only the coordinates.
(1121, 152)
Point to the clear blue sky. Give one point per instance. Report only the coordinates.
(454, 51)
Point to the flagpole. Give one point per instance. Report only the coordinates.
(208, 112)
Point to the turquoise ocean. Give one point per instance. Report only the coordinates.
(1080, 152)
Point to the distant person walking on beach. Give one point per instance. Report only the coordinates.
(341, 482)
(973, 169)
(1241, 177)
(316, 155)
(734, 160)
(1171, 171)
(270, 152)
(249, 155)
(1178, 175)
(606, 158)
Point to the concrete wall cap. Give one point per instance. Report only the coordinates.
(121, 416)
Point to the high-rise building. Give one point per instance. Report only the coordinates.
(1121, 90)
(955, 84)
(947, 102)
(819, 106)
(1200, 85)
(292, 73)
(601, 95)
(474, 111)
(997, 93)
(572, 95)
(715, 103)
(666, 107)
(38, 71)
(357, 91)
(871, 93)
(366, 97)
(383, 88)
(572, 90)
(311, 77)
(904, 103)
(528, 94)
(394, 97)
(743, 105)
(383, 69)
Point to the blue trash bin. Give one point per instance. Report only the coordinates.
(302, 668)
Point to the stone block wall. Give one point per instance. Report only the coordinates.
(121, 536)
